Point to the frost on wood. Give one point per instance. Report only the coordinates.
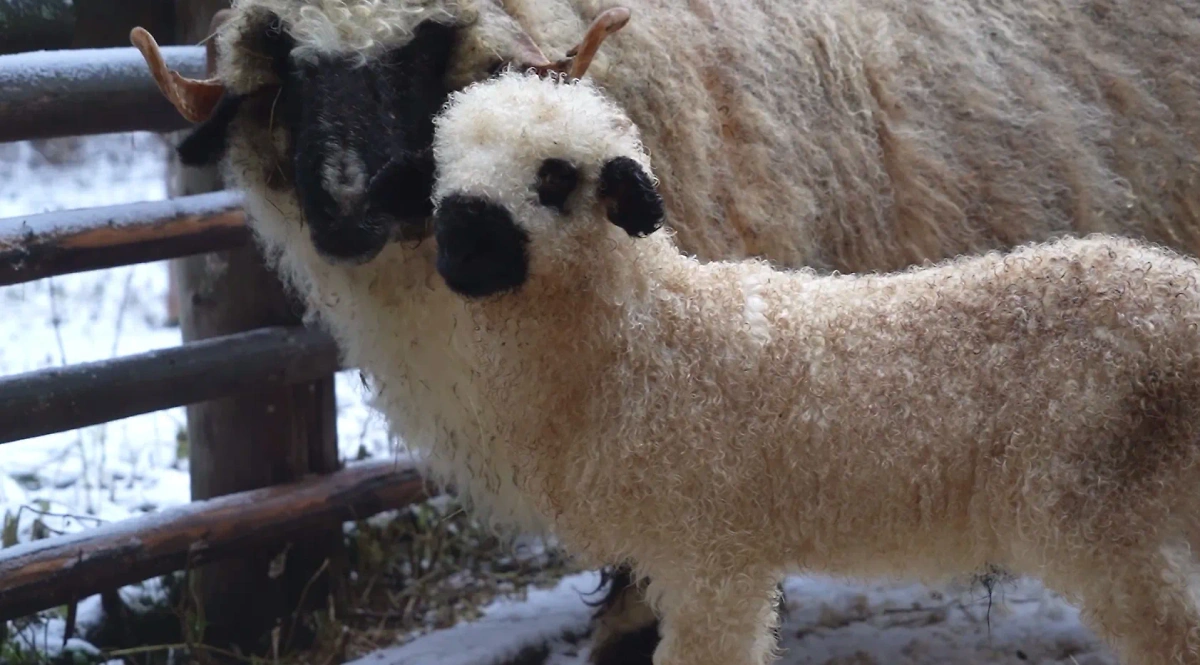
(63, 242)
(81, 219)
(87, 91)
(90, 69)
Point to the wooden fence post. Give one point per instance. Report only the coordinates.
(249, 442)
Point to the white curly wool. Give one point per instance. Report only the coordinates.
(360, 28)
(719, 424)
(854, 135)
(850, 134)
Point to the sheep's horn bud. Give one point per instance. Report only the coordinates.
(194, 99)
(608, 22)
(580, 57)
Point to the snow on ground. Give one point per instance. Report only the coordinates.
(828, 622)
(73, 480)
(506, 628)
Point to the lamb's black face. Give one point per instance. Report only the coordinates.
(360, 138)
(483, 250)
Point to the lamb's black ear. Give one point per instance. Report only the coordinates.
(630, 197)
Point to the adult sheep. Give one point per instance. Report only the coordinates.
(851, 135)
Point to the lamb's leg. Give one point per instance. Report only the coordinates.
(728, 621)
(1144, 606)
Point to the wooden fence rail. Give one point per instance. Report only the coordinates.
(258, 386)
(47, 94)
(48, 573)
(59, 243)
(65, 398)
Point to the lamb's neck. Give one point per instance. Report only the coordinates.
(600, 317)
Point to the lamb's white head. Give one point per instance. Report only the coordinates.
(533, 173)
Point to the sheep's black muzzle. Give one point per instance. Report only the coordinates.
(480, 249)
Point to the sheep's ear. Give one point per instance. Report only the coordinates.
(207, 141)
(630, 198)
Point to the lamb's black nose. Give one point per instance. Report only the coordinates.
(481, 250)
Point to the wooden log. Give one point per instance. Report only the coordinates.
(47, 573)
(48, 94)
(59, 243)
(239, 444)
(65, 398)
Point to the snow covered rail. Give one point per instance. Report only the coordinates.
(58, 243)
(62, 570)
(46, 94)
(66, 398)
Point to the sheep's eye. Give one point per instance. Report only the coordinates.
(556, 179)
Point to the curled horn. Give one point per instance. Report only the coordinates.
(580, 57)
(608, 22)
(195, 99)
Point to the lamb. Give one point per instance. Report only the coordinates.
(719, 424)
(851, 135)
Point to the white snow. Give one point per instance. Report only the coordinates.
(71, 481)
(506, 627)
(119, 469)
(829, 622)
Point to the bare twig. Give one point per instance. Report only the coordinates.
(72, 616)
(300, 605)
(156, 648)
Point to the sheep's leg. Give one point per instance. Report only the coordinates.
(717, 622)
(1145, 607)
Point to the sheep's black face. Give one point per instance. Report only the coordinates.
(362, 142)
(361, 138)
(480, 249)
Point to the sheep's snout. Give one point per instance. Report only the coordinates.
(480, 249)
(351, 244)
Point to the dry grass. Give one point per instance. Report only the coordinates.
(411, 571)
(430, 567)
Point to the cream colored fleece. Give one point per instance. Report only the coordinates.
(719, 424)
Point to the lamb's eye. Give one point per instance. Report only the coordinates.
(556, 179)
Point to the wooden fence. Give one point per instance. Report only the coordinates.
(258, 387)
